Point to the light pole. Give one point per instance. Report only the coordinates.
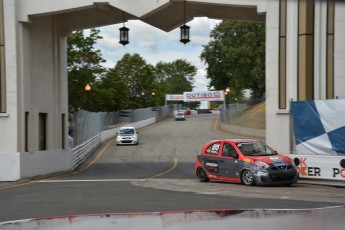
(87, 90)
(227, 93)
(153, 94)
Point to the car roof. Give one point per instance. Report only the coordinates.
(243, 140)
(127, 127)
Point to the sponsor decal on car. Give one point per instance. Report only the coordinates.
(276, 159)
(212, 166)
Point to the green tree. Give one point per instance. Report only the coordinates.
(84, 67)
(174, 77)
(138, 79)
(111, 93)
(236, 58)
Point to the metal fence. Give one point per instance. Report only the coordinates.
(233, 113)
(85, 125)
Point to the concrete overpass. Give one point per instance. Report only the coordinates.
(304, 61)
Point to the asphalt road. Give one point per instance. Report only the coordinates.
(154, 176)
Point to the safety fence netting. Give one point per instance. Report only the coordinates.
(84, 125)
(240, 114)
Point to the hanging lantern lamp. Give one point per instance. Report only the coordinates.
(184, 34)
(124, 35)
(184, 29)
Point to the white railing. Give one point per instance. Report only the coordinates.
(83, 151)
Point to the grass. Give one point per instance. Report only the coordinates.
(252, 117)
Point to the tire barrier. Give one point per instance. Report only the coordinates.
(283, 219)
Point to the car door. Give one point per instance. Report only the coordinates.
(210, 158)
(229, 164)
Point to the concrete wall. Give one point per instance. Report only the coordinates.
(44, 82)
(278, 124)
(270, 219)
(339, 50)
(16, 166)
(9, 120)
(42, 163)
(36, 82)
(274, 118)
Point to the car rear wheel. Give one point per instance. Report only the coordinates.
(201, 174)
(247, 177)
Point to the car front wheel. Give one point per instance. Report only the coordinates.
(247, 177)
(201, 174)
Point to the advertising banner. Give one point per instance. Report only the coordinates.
(320, 167)
(174, 97)
(204, 96)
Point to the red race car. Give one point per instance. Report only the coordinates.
(244, 161)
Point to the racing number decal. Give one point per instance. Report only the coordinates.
(213, 149)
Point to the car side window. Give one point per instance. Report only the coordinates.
(213, 149)
(229, 151)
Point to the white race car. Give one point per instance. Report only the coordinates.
(127, 135)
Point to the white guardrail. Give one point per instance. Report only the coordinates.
(236, 219)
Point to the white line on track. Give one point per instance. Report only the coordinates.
(98, 180)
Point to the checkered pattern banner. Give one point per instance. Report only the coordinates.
(319, 127)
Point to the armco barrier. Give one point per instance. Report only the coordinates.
(331, 218)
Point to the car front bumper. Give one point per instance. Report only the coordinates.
(276, 177)
(127, 141)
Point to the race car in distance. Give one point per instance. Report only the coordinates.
(180, 116)
(245, 161)
(127, 135)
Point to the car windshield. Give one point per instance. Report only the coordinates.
(126, 131)
(255, 149)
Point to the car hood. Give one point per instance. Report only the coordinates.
(272, 159)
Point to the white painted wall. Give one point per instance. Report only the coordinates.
(9, 166)
(277, 122)
(8, 121)
(36, 7)
(269, 219)
(339, 49)
(45, 162)
(44, 81)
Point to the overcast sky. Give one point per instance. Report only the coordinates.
(155, 45)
